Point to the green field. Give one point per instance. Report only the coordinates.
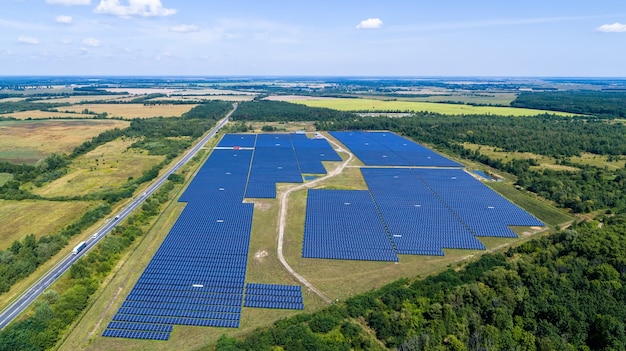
(5, 177)
(416, 106)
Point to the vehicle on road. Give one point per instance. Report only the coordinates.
(79, 248)
(117, 217)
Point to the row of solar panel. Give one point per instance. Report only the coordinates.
(208, 283)
(260, 286)
(187, 287)
(182, 306)
(131, 334)
(192, 294)
(141, 327)
(365, 255)
(274, 298)
(177, 321)
(185, 300)
(277, 305)
(179, 313)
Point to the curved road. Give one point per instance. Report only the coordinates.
(22, 302)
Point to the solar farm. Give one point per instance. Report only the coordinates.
(417, 203)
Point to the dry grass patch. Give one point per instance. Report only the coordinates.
(17, 218)
(130, 111)
(599, 161)
(107, 167)
(30, 141)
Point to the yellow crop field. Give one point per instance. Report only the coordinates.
(416, 106)
(30, 141)
(130, 111)
(78, 99)
(17, 218)
(107, 167)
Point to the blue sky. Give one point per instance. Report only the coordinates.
(345, 38)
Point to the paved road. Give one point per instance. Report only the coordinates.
(19, 305)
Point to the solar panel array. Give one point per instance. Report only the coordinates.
(484, 211)
(344, 224)
(389, 149)
(418, 221)
(282, 158)
(311, 153)
(197, 275)
(274, 161)
(241, 140)
(273, 296)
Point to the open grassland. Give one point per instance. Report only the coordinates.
(282, 126)
(20, 218)
(547, 162)
(416, 106)
(37, 114)
(5, 177)
(503, 99)
(130, 111)
(30, 141)
(107, 167)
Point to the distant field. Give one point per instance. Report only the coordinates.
(547, 162)
(450, 109)
(487, 98)
(205, 98)
(107, 167)
(30, 141)
(78, 99)
(36, 114)
(130, 111)
(5, 177)
(17, 218)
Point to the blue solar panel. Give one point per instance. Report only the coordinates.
(241, 140)
(389, 149)
(344, 224)
(273, 296)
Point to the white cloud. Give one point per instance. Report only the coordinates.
(69, 2)
(66, 41)
(91, 42)
(64, 19)
(28, 40)
(612, 28)
(370, 23)
(184, 28)
(135, 8)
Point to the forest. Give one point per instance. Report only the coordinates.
(595, 103)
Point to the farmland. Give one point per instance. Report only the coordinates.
(397, 105)
(30, 141)
(129, 111)
(16, 218)
(37, 114)
(107, 167)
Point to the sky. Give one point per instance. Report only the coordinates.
(489, 38)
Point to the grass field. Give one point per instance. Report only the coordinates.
(487, 98)
(130, 111)
(5, 177)
(107, 167)
(17, 218)
(30, 141)
(396, 105)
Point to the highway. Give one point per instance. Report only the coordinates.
(22, 302)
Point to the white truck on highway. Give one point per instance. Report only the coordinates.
(79, 248)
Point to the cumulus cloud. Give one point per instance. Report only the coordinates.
(69, 2)
(612, 28)
(370, 23)
(28, 40)
(135, 8)
(64, 19)
(91, 42)
(184, 28)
